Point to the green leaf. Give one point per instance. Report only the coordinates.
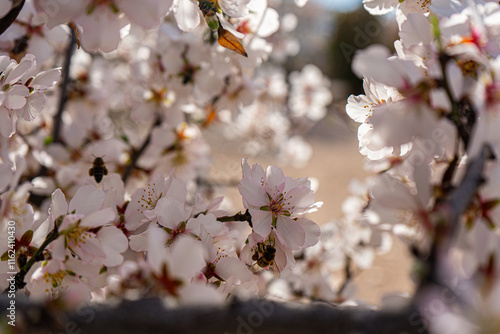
(48, 140)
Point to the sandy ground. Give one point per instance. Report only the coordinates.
(334, 163)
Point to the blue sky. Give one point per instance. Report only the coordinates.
(339, 5)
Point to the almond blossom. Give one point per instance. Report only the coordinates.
(224, 265)
(28, 35)
(310, 93)
(152, 103)
(17, 98)
(55, 279)
(360, 108)
(87, 232)
(279, 203)
(175, 269)
(101, 21)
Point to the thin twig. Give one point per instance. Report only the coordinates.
(63, 97)
(348, 276)
(239, 217)
(136, 153)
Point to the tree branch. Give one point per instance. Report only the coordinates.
(460, 199)
(7, 20)
(447, 216)
(253, 316)
(63, 97)
(136, 153)
(239, 217)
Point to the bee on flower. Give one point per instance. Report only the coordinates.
(278, 205)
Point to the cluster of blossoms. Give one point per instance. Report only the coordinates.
(427, 113)
(107, 179)
(142, 218)
(23, 91)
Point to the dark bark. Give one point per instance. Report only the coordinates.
(7, 20)
(254, 316)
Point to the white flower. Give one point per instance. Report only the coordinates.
(21, 94)
(278, 202)
(141, 208)
(87, 232)
(102, 21)
(223, 265)
(361, 108)
(55, 279)
(175, 268)
(310, 93)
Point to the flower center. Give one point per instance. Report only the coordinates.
(78, 236)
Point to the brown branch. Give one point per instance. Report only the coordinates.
(136, 153)
(253, 316)
(239, 217)
(461, 197)
(57, 126)
(63, 97)
(447, 216)
(348, 276)
(7, 20)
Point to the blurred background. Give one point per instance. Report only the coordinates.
(329, 33)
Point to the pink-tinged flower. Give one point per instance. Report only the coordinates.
(376, 64)
(208, 223)
(176, 268)
(310, 94)
(55, 279)
(12, 95)
(407, 206)
(141, 208)
(279, 203)
(87, 232)
(21, 94)
(27, 35)
(101, 20)
(261, 20)
(174, 216)
(224, 266)
(38, 86)
(187, 152)
(14, 202)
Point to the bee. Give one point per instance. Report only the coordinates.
(264, 256)
(20, 45)
(98, 169)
